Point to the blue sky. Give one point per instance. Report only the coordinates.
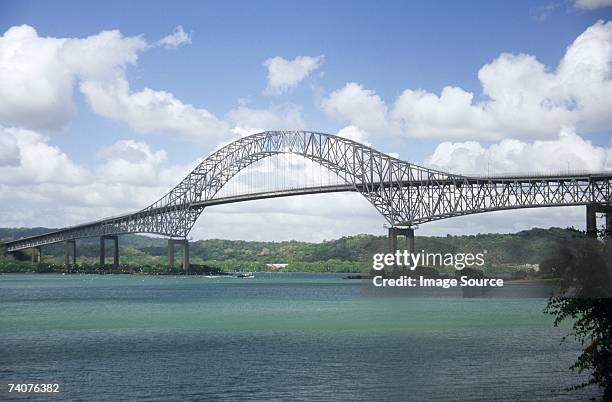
(383, 47)
(387, 46)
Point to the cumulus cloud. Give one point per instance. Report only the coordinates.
(247, 121)
(569, 150)
(506, 221)
(131, 162)
(42, 178)
(175, 39)
(39, 91)
(285, 74)
(362, 107)
(33, 160)
(307, 218)
(9, 150)
(150, 111)
(592, 4)
(43, 72)
(354, 133)
(521, 97)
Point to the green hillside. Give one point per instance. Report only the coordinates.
(505, 252)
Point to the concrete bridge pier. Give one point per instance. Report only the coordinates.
(115, 240)
(36, 255)
(185, 243)
(69, 244)
(591, 220)
(408, 234)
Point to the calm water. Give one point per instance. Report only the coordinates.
(281, 336)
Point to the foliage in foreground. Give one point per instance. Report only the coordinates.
(587, 273)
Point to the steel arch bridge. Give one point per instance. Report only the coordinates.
(404, 193)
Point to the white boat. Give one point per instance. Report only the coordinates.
(246, 275)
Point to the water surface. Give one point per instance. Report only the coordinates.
(278, 336)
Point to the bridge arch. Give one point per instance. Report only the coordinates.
(374, 174)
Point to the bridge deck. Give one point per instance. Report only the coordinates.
(56, 235)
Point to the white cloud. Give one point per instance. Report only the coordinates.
(521, 98)
(99, 57)
(175, 39)
(592, 4)
(514, 156)
(541, 13)
(9, 150)
(43, 178)
(150, 111)
(506, 221)
(131, 162)
(43, 71)
(285, 74)
(247, 121)
(362, 107)
(307, 218)
(354, 133)
(39, 91)
(422, 114)
(33, 160)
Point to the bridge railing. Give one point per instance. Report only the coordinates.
(536, 174)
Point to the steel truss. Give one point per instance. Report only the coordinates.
(404, 193)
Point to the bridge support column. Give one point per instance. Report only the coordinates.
(591, 221)
(102, 251)
(171, 253)
(69, 244)
(36, 255)
(408, 234)
(115, 240)
(609, 223)
(392, 240)
(186, 256)
(185, 243)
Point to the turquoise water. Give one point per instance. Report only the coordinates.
(278, 336)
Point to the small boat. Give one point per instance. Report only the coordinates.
(246, 275)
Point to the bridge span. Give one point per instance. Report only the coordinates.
(404, 193)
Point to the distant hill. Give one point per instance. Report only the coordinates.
(525, 247)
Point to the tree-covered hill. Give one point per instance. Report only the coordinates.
(347, 254)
